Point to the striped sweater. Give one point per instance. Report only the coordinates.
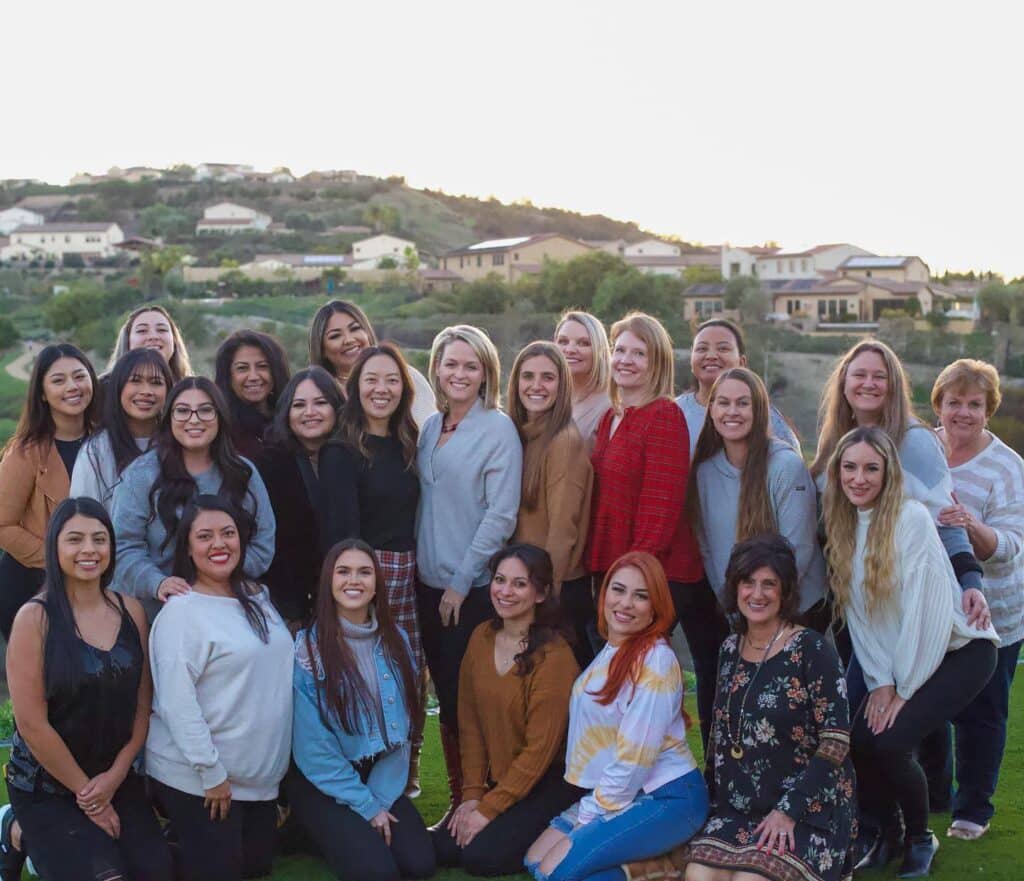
(991, 487)
(637, 742)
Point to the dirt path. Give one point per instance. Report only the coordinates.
(21, 367)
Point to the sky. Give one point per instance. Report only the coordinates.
(898, 126)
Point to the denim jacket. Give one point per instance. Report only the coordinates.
(326, 754)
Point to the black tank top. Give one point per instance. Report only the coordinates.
(95, 717)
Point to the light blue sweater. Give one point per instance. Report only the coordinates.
(793, 500)
(469, 497)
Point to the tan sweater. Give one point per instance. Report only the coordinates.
(511, 727)
(559, 522)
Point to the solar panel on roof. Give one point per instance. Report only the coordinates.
(498, 243)
(874, 262)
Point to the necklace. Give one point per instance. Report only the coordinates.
(736, 750)
(448, 429)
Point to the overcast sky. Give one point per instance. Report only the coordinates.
(897, 126)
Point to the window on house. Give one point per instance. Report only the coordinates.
(792, 266)
(734, 269)
(479, 259)
(868, 273)
(718, 306)
(822, 308)
(803, 266)
(833, 308)
(515, 256)
(498, 260)
(462, 262)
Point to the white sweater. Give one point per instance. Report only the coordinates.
(903, 642)
(96, 474)
(222, 703)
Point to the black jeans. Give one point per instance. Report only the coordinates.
(887, 771)
(499, 848)
(576, 602)
(444, 647)
(65, 845)
(240, 846)
(354, 850)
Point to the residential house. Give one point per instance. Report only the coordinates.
(347, 230)
(12, 218)
(738, 260)
(815, 262)
(892, 268)
(279, 175)
(220, 171)
(673, 265)
(651, 248)
(345, 176)
(53, 207)
(856, 299)
(512, 258)
(229, 218)
(135, 174)
(704, 301)
(612, 246)
(55, 241)
(367, 253)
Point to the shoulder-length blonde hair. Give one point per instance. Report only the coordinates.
(841, 523)
(966, 375)
(483, 348)
(550, 424)
(660, 360)
(179, 362)
(318, 329)
(600, 368)
(835, 415)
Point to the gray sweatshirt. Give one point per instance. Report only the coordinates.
(695, 413)
(793, 500)
(469, 497)
(95, 475)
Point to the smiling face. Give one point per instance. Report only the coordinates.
(714, 351)
(214, 545)
(627, 605)
(862, 474)
(83, 549)
(344, 339)
(354, 585)
(195, 430)
(513, 595)
(866, 387)
(963, 414)
(380, 389)
(460, 373)
(142, 397)
(538, 385)
(152, 330)
(732, 410)
(631, 370)
(574, 341)
(759, 596)
(67, 387)
(311, 416)
(251, 377)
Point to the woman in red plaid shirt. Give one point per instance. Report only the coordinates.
(641, 464)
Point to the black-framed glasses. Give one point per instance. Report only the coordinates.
(183, 413)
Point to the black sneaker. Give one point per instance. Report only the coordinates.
(11, 859)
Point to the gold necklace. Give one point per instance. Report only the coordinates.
(736, 750)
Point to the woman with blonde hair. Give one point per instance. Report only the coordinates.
(922, 661)
(554, 509)
(583, 341)
(151, 327)
(470, 465)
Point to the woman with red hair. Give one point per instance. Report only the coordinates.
(633, 691)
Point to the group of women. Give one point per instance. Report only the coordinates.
(223, 599)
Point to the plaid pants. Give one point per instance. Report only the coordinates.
(399, 569)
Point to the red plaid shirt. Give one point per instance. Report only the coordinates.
(640, 478)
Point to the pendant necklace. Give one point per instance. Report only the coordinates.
(736, 750)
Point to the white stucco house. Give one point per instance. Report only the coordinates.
(367, 253)
(228, 218)
(55, 241)
(812, 263)
(651, 248)
(12, 218)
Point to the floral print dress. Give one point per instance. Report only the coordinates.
(795, 741)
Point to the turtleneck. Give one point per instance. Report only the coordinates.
(362, 640)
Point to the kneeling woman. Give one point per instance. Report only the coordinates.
(218, 737)
(514, 689)
(922, 662)
(81, 692)
(356, 688)
(783, 783)
(633, 688)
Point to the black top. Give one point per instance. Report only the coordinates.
(93, 716)
(248, 425)
(68, 451)
(373, 499)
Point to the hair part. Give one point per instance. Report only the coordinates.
(145, 362)
(774, 552)
(660, 359)
(600, 376)
(318, 329)
(486, 354)
(965, 375)
(279, 432)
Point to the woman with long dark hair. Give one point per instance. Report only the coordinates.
(356, 689)
(193, 456)
(221, 725)
(132, 407)
(340, 330)
(514, 690)
(81, 693)
(291, 467)
(251, 369)
(60, 411)
(151, 327)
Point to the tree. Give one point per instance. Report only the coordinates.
(622, 292)
(754, 305)
(155, 265)
(163, 221)
(736, 289)
(383, 218)
(387, 263)
(574, 285)
(488, 295)
(8, 332)
(937, 319)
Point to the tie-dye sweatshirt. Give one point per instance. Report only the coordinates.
(637, 742)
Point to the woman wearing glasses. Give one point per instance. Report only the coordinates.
(193, 455)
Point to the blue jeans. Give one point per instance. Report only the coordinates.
(653, 824)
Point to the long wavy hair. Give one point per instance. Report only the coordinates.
(537, 436)
(546, 625)
(401, 425)
(179, 362)
(841, 523)
(280, 433)
(835, 415)
(660, 360)
(174, 486)
(62, 664)
(756, 514)
(241, 588)
(600, 370)
(276, 359)
(342, 692)
(628, 661)
(318, 329)
(36, 425)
